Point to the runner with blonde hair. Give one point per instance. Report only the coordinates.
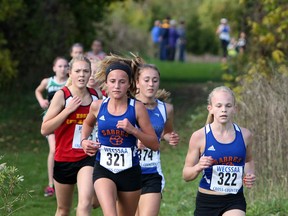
(222, 152)
(65, 115)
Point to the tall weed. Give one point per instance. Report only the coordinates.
(263, 109)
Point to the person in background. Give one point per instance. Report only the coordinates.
(173, 37)
(161, 116)
(232, 48)
(97, 52)
(241, 43)
(51, 85)
(76, 49)
(222, 152)
(164, 39)
(181, 42)
(117, 173)
(65, 115)
(93, 82)
(223, 31)
(155, 36)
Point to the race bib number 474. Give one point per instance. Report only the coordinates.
(148, 157)
(226, 179)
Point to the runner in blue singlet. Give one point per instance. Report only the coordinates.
(161, 117)
(222, 152)
(117, 173)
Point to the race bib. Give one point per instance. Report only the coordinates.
(226, 179)
(76, 143)
(116, 159)
(148, 157)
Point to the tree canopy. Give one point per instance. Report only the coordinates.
(34, 32)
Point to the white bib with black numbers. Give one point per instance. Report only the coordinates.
(116, 159)
(148, 157)
(226, 179)
(76, 143)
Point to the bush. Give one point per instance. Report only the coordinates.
(10, 181)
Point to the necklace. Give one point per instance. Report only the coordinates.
(150, 104)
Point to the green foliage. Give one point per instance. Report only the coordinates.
(34, 33)
(8, 66)
(269, 35)
(9, 8)
(200, 40)
(10, 181)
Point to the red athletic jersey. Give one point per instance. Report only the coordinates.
(68, 135)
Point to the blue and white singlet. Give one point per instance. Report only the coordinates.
(226, 173)
(118, 150)
(149, 159)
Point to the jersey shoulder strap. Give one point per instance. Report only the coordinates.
(67, 92)
(50, 79)
(92, 91)
(162, 108)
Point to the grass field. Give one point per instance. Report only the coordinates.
(23, 146)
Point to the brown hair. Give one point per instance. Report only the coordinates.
(133, 63)
(161, 94)
(58, 58)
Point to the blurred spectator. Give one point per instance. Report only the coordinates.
(173, 37)
(96, 53)
(223, 31)
(181, 42)
(164, 40)
(241, 44)
(231, 48)
(155, 36)
(76, 50)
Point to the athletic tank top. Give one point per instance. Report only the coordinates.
(225, 33)
(52, 87)
(226, 173)
(149, 159)
(68, 134)
(118, 150)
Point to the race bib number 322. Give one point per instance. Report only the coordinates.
(226, 179)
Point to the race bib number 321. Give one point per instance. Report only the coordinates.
(116, 159)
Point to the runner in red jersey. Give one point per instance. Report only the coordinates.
(65, 117)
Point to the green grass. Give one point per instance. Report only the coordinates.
(188, 72)
(23, 146)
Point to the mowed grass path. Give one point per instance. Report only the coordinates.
(23, 146)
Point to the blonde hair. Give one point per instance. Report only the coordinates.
(76, 59)
(210, 117)
(163, 95)
(94, 66)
